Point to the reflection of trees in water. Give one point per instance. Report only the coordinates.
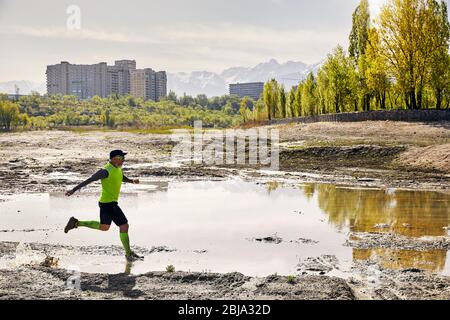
(308, 190)
(431, 260)
(409, 213)
(352, 208)
(272, 186)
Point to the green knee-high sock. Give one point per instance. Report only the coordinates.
(125, 242)
(89, 224)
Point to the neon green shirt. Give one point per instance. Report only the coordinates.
(111, 185)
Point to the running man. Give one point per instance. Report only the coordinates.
(111, 177)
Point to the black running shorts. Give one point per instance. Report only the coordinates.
(111, 212)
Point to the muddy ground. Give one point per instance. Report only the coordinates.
(375, 154)
(396, 154)
(386, 154)
(370, 281)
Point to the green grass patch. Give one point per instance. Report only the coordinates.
(170, 268)
(291, 279)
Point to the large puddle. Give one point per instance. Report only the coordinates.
(221, 226)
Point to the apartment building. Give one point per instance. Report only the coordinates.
(118, 81)
(83, 81)
(148, 84)
(251, 89)
(86, 81)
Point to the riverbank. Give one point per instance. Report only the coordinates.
(387, 154)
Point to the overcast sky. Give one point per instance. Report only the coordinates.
(171, 35)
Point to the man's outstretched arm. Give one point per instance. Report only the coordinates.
(127, 180)
(100, 174)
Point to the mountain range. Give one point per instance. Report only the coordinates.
(216, 84)
(209, 83)
(25, 87)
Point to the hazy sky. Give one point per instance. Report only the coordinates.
(172, 35)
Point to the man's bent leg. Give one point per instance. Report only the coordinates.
(89, 224)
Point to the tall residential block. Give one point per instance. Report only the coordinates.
(148, 84)
(81, 80)
(138, 82)
(160, 84)
(86, 81)
(118, 81)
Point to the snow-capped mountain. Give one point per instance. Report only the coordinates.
(213, 84)
(25, 87)
(197, 82)
(263, 71)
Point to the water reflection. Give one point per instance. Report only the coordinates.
(222, 217)
(407, 213)
(272, 186)
(431, 260)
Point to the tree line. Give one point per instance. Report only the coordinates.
(42, 111)
(399, 60)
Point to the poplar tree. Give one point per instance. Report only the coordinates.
(358, 38)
